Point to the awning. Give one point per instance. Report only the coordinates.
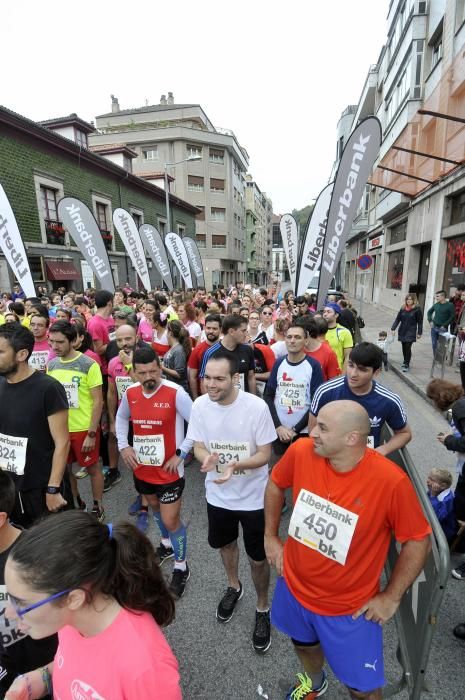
(61, 271)
(433, 143)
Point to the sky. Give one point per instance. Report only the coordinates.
(278, 74)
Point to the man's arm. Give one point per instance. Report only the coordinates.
(97, 407)
(346, 358)
(408, 566)
(193, 386)
(252, 382)
(112, 404)
(274, 497)
(99, 346)
(58, 425)
(399, 439)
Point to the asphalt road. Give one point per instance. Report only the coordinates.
(218, 661)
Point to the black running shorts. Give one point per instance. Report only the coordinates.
(223, 528)
(166, 493)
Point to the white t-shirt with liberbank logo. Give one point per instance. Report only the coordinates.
(234, 432)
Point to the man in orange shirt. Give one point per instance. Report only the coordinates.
(348, 501)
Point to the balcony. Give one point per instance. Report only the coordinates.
(107, 239)
(55, 232)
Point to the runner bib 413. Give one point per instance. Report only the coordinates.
(323, 526)
(230, 451)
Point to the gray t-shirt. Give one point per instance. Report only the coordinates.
(175, 359)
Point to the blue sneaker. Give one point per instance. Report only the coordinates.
(135, 507)
(304, 689)
(142, 521)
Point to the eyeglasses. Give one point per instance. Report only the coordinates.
(267, 313)
(22, 611)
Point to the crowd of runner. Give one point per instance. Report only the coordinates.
(238, 379)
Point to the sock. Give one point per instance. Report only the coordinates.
(166, 542)
(157, 517)
(181, 565)
(317, 679)
(179, 543)
(264, 611)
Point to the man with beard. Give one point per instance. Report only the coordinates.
(158, 409)
(34, 437)
(213, 333)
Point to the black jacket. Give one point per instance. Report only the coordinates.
(457, 444)
(410, 324)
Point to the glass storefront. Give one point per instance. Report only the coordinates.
(454, 271)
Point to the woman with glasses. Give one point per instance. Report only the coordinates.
(410, 323)
(107, 605)
(266, 322)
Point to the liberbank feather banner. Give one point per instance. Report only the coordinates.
(314, 240)
(12, 246)
(83, 229)
(127, 229)
(289, 234)
(355, 167)
(176, 249)
(195, 260)
(154, 247)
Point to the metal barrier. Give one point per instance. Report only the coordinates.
(444, 352)
(417, 613)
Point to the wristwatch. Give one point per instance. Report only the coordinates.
(91, 433)
(180, 453)
(53, 489)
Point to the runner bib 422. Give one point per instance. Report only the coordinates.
(149, 449)
(323, 526)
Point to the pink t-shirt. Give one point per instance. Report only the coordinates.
(129, 660)
(145, 331)
(118, 375)
(39, 356)
(100, 329)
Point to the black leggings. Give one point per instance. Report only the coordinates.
(407, 352)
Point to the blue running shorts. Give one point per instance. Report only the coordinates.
(353, 648)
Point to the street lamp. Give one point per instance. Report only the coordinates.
(167, 190)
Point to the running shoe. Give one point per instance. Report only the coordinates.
(459, 572)
(304, 689)
(98, 513)
(135, 507)
(178, 582)
(81, 504)
(228, 602)
(81, 474)
(112, 477)
(262, 632)
(142, 521)
(163, 553)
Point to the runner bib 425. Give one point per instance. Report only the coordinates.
(323, 526)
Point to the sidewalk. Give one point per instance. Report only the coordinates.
(378, 318)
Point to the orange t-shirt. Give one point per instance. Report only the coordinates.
(383, 498)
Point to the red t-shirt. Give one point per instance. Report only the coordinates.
(130, 659)
(196, 356)
(378, 492)
(326, 356)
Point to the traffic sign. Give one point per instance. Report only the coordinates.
(364, 262)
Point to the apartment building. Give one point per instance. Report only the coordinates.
(412, 216)
(203, 165)
(258, 208)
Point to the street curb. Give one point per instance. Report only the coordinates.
(410, 382)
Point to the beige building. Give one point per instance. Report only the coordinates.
(166, 136)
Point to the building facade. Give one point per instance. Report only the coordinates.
(206, 166)
(412, 217)
(40, 164)
(257, 207)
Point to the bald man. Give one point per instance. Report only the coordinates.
(120, 376)
(348, 501)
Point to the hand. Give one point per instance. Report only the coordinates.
(209, 463)
(88, 444)
(274, 550)
(285, 434)
(435, 489)
(393, 332)
(129, 457)
(18, 690)
(55, 502)
(171, 465)
(228, 472)
(125, 357)
(442, 436)
(379, 609)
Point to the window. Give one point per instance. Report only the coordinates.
(193, 151)
(218, 241)
(81, 138)
(102, 216)
(395, 269)
(436, 51)
(49, 204)
(458, 208)
(216, 156)
(201, 215)
(398, 233)
(218, 214)
(162, 227)
(181, 230)
(216, 185)
(194, 183)
(137, 219)
(151, 153)
(201, 239)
